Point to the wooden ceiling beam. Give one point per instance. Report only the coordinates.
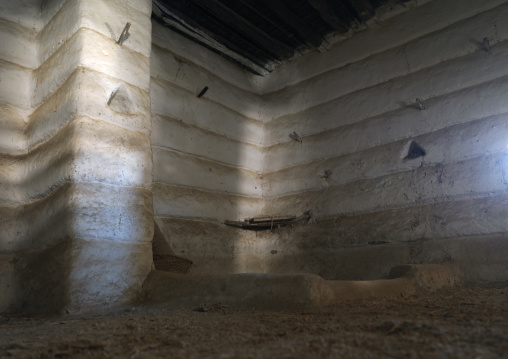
(187, 25)
(297, 23)
(245, 27)
(327, 13)
(270, 21)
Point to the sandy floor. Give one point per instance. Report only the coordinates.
(468, 322)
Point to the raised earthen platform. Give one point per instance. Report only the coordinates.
(290, 291)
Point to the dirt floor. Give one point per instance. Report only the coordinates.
(466, 322)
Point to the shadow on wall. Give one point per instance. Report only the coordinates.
(42, 280)
(77, 224)
(399, 151)
(380, 155)
(206, 150)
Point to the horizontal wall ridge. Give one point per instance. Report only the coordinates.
(18, 26)
(29, 175)
(50, 20)
(19, 44)
(206, 130)
(200, 189)
(422, 166)
(63, 6)
(39, 224)
(394, 242)
(69, 123)
(208, 159)
(203, 70)
(108, 38)
(173, 200)
(35, 198)
(13, 64)
(399, 78)
(191, 219)
(172, 83)
(70, 78)
(78, 67)
(31, 193)
(187, 47)
(468, 14)
(382, 144)
(449, 199)
(58, 187)
(433, 99)
(490, 235)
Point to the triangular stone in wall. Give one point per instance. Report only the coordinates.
(415, 151)
(121, 101)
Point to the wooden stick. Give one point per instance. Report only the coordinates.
(272, 218)
(125, 34)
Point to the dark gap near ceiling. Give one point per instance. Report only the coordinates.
(258, 12)
(218, 52)
(310, 16)
(267, 32)
(201, 20)
(247, 27)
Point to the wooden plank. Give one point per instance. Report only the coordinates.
(271, 219)
(327, 13)
(290, 36)
(258, 226)
(297, 23)
(267, 222)
(193, 29)
(245, 27)
(234, 223)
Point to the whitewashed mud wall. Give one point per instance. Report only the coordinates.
(16, 64)
(355, 108)
(75, 160)
(207, 151)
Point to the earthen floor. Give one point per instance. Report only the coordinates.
(466, 322)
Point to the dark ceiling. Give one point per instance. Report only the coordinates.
(258, 34)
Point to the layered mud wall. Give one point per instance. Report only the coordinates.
(207, 149)
(404, 145)
(388, 179)
(75, 163)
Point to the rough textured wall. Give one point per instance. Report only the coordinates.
(355, 108)
(75, 172)
(207, 150)
(16, 64)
